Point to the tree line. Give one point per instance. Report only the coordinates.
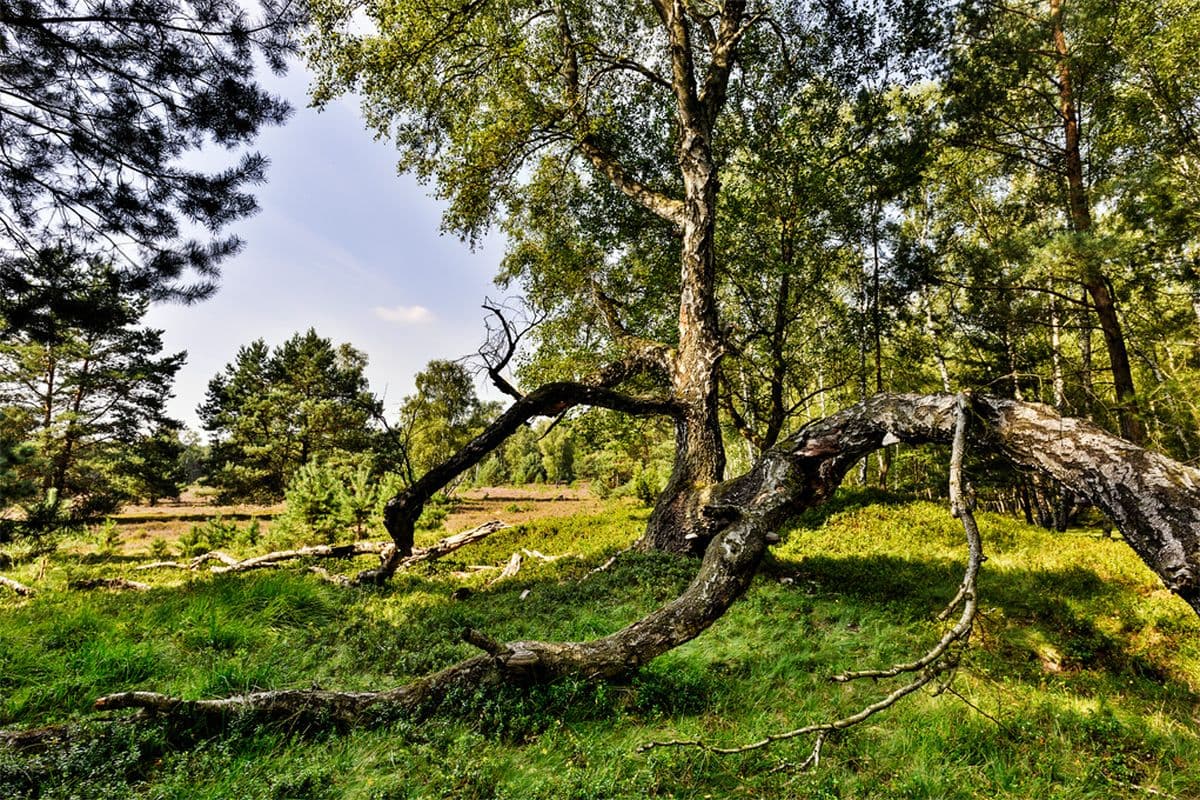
(85, 421)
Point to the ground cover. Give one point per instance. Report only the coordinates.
(1083, 681)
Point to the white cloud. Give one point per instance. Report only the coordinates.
(404, 315)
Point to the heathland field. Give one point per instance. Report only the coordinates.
(1082, 679)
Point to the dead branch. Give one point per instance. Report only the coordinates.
(961, 506)
(193, 563)
(451, 543)
(383, 549)
(231, 564)
(116, 584)
(326, 575)
(510, 569)
(542, 556)
(502, 340)
(315, 551)
(607, 564)
(16, 586)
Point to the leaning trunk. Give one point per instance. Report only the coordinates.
(1153, 500)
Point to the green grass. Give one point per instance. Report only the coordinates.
(1084, 672)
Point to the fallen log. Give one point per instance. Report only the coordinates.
(316, 551)
(193, 563)
(16, 586)
(383, 549)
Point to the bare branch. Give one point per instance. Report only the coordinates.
(16, 586)
(384, 550)
(502, 340)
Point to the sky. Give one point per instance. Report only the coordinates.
(344, 245)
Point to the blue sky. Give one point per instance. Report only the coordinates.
(341, 244)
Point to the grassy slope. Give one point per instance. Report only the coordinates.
(1087, 670)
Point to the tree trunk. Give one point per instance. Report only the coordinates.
(1056, 367)
(71, 434)
(48, 411)
(779, 363)
(1026, 505)
(699, 450)
(1085, 354)
(1094, 280)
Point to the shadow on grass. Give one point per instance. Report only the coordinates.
(846, 500)
(1018, 605)
(565, 602)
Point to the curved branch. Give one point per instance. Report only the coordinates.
(401, 512)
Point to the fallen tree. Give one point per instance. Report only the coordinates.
(1153, 500)
(16, 586)
(385, 550)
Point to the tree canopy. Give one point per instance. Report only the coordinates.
(85, 389)
(100, 102)
(271, 410)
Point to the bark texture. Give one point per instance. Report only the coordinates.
(1154, 501)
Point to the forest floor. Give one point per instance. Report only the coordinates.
(1083, 679)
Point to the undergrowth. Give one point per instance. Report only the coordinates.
(1081, 683)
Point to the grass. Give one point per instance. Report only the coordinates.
(1083, 681)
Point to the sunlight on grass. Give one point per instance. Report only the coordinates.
(1082, 681)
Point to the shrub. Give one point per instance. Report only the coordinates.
(253, 533)
(43, 519)
(435, 512)
(358, 498)
(193, 543)
(325, 498)
(108, 536)
(159, 548)
(314, 500)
